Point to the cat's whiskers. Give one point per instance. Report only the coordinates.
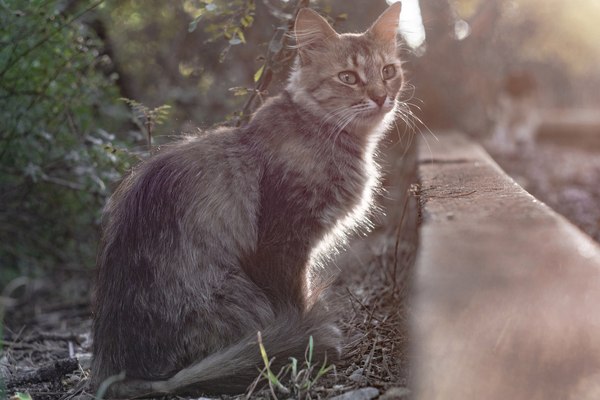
(330, 115)
(405, 108)
(353, 112)
(417, 119)
(409, 123)
(337, 128)
(398, 132)
(412, 121)
(341, 124)
(337, 115)
(345, 116)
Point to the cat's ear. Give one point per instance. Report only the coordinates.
(311, 32)
(386, 26)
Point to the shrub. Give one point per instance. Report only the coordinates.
(56, 163)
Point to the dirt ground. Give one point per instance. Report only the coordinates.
(47, 344)
(566, 178)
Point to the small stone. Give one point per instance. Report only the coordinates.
(86, 341)
(357, 376)
(4, 371)
(359, 394)
(85, 360)
(395, 393)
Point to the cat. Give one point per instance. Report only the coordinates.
(217, 237)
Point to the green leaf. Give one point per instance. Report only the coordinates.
(294, 363)
(323, 370)
(22, 396)
(247, 21)
(263, 352)
(258, 73)
(223, 54)
(193, 25)
(241, 35)
(276, 43)
(268, 374)
(239, 91)
(311, 346)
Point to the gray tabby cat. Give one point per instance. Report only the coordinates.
(215, 238)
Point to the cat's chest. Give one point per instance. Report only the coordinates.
(314, 186)
(322, 163)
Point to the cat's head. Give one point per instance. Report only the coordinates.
(348, 80)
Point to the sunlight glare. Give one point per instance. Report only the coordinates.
(411, 23)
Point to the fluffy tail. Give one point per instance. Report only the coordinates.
(232, 369)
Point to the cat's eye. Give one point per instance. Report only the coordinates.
(389, 71)
(348, 77)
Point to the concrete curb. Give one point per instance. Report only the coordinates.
(506, 292)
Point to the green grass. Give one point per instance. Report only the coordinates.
(21, 396)
(294, 380)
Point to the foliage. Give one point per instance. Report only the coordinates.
(21, 396)
(291, 381)
(146, 119)
(227, 20)
(161, 62)
(177, 53)
(55, 172)
(61, 67)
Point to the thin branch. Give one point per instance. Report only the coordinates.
(63, 182)
(50, 372)
(279, 41)
(42, 94)
(49, 36)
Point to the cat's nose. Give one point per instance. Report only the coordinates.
(379, 99)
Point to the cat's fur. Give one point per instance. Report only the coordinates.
(215, 238)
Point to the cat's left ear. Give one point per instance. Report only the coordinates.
(386, 26)
(312, 33)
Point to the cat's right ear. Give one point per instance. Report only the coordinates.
(311, 32)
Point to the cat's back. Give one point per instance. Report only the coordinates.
(174, 231)
(189, 161)
(202, 189)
